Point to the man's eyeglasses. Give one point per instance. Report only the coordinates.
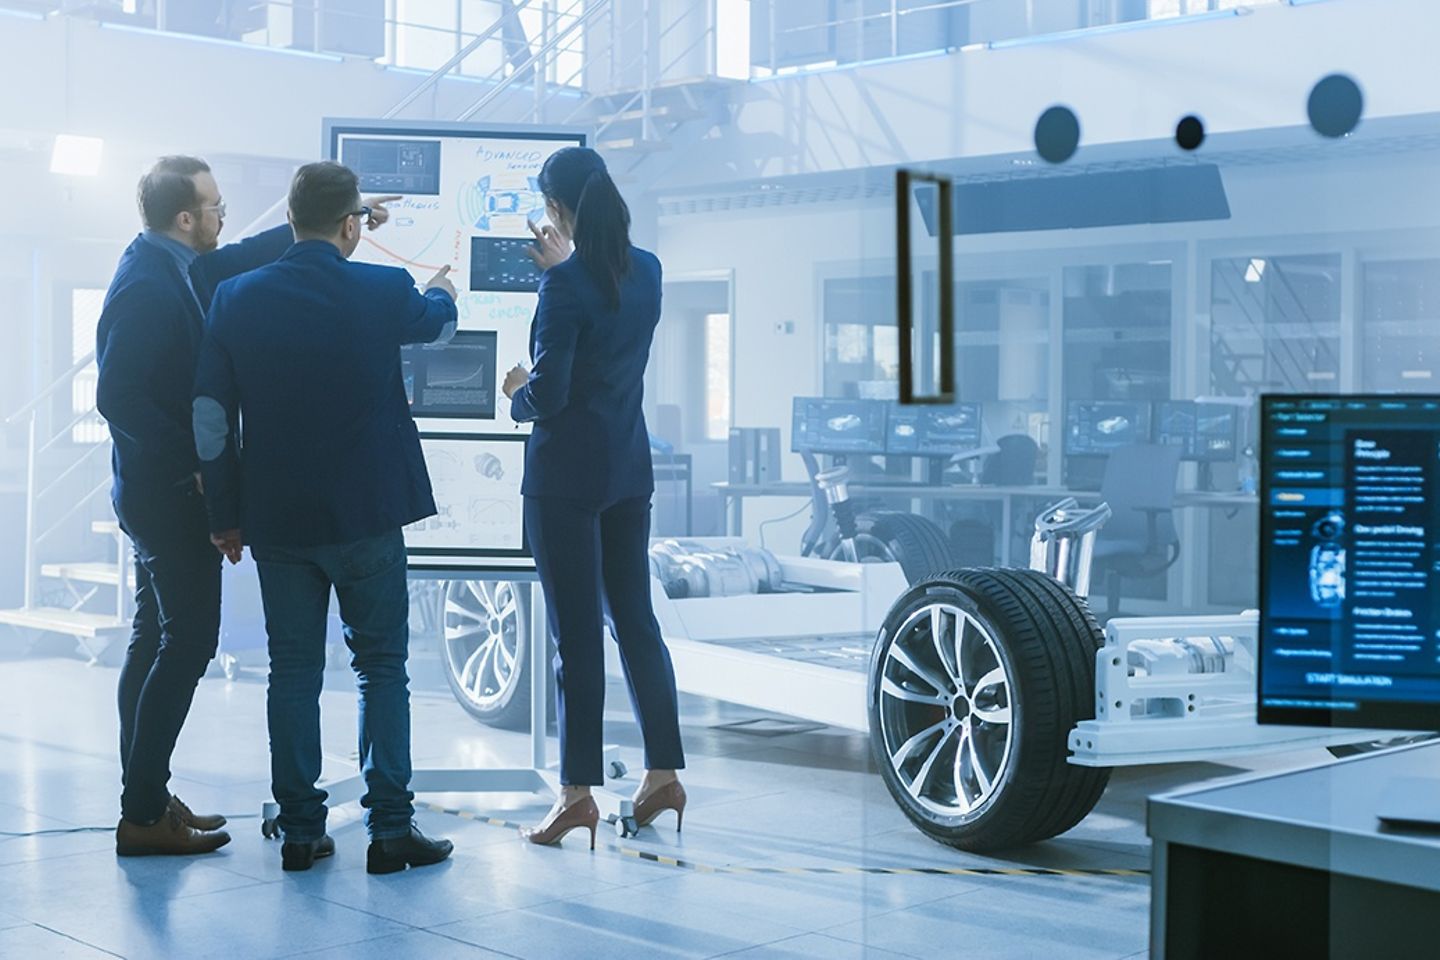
(219, 209)
(363, 213)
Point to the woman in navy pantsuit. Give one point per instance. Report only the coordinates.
(588, 482)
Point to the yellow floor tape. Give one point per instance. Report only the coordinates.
(648, 857)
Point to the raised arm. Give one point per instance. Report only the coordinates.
(212, 269)
(430, 317)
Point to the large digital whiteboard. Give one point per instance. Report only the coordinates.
(467, 196)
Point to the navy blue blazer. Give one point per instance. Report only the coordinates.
(147, 344)
(587, 385)
(306, 354)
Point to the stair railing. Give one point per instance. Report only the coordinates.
(35, 496)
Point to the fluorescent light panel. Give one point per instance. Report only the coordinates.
(76, 156)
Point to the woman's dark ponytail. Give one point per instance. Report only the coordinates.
(577, 178)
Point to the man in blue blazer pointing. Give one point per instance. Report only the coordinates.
(146, 346)
(310, 456)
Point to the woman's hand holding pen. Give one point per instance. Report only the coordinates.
(515, 379)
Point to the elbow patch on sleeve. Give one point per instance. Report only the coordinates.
(212, 428)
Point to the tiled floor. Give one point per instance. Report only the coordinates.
(804, 799)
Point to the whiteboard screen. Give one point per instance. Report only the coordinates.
(467, 197)
(479, 510)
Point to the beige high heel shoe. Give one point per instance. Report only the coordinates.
(580, 815)
(669, 797)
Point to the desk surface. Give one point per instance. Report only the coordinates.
(1320, 817)
(977, 491)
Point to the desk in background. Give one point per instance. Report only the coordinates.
(734, 495)
(671, 469)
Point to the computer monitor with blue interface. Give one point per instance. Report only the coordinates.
(1096, 427)
(1350, 561)
(933, 431)
(1205, 432)
(838, 427)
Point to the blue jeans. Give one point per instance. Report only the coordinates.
(370, 582)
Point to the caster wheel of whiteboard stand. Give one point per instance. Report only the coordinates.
(269, 814)
(618, 769)
(626, 827)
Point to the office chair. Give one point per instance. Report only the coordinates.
(1140, 539)
(1014, 464)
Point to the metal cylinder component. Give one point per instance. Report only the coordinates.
(1181, 655)
(1064, 542)
(690, 569)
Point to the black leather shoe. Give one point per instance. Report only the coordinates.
(394, 854)
(302, 855)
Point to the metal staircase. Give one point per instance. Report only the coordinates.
(648, 83)
(66, 494)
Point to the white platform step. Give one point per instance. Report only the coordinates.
(104, 574)
(633, 145)
(59, 620)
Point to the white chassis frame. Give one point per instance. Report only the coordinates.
(856, 601)
(1182, 718)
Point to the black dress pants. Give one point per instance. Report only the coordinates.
(175, 634)
(588, 559)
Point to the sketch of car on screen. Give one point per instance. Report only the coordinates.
(493, 198)
(1113, 425)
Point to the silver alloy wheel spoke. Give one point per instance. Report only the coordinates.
(963, 800)
(903, 752)
(902, 656)
(893, 689)
(937, 637)
(487, 656)
(994, 680)
(963, 628)
(982, 777)
(481, 638)
(917, 786)
(463, 612)
(471, 668)
(976, 723)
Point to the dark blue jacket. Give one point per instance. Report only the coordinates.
(147, 344)
(587, 385)
(306, 353)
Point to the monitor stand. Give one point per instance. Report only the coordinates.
(1411, 803)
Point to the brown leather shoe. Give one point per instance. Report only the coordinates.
(171, 836)
(580, 815)
(669, 797)
(193, 819)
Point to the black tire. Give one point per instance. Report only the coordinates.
(501, 704)
(918, 545)
(1045, 639)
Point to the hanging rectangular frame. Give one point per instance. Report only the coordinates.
(904, 268)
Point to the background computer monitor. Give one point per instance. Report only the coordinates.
(1095, 427)
(1205, 432)
(1349, 585)
(933, 431)
(838, 427)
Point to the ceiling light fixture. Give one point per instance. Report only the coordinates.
(76, 156)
